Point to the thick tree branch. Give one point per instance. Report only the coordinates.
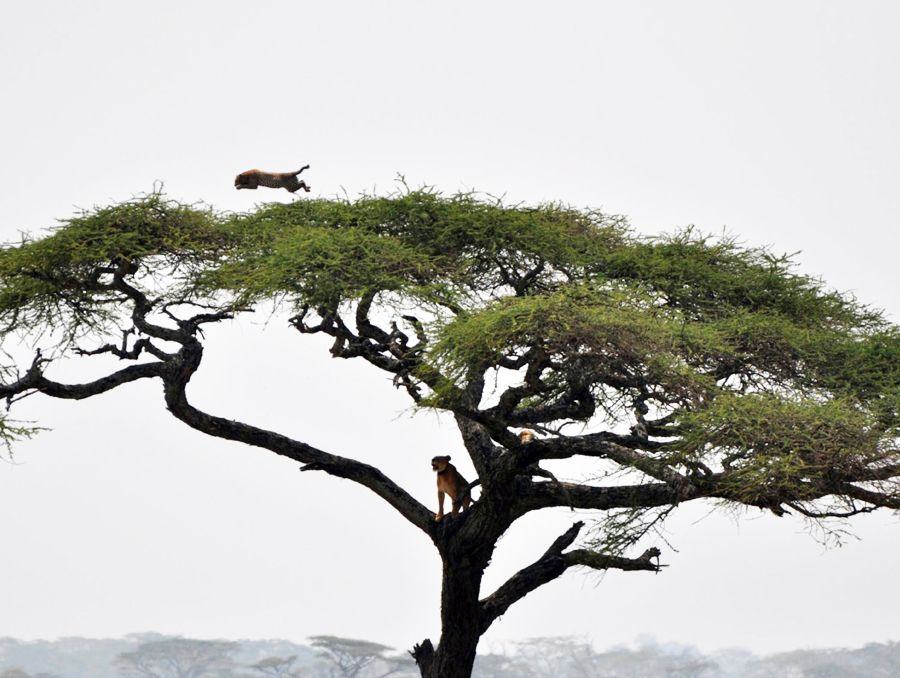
(509, 400)
(479, 445)
(589, 445)
(142, 306)
(101, 385)
(879, 499)
(313, 458)
(538, 495)
(577, 403)
(391, 352)
(177, 370)
(550, 566)
(883, 472)
(604, 561)
(534, 496)
(34, 380)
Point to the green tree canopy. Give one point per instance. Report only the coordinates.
(698, 367)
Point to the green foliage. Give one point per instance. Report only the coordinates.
(758, 361)
(318, 259)
(783, 445)
(593, 334)
(54, 282)
(677, 312)
(607, 332)
(707, 277)
(322, 253)
(12, 430)
(865, 367)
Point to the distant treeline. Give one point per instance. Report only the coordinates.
(151, 655)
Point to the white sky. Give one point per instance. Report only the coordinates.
(777, 121)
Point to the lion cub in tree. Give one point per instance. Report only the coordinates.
(255, 178)
(450, 482)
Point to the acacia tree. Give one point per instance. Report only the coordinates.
(354, 658)
(697, 368)
(276, 667)
(177, 658)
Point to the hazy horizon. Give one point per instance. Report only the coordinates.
(486, 646)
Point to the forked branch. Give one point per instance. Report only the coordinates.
(551, 565)
(35, 381)
(176, 370)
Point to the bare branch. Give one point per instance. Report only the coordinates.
(34, 380)
(312, 458)
(550, 566)
(853, 510)
(124, 353)
(716, 486)
(577, 403)
(142, 307)
(545, 569)
(875, 498)
(603, 561)
(549, 494)
(479, 445)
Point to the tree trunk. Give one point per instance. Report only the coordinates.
(460, 626)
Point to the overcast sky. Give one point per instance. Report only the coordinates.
(775, 121)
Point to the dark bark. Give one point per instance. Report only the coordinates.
(466, 544)
(547, 568)
(541, 495)
(454, 656)
(34, 380)
(480, 447)
(460, 630)
(423, 654)
(313, 458)
(550, 566)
